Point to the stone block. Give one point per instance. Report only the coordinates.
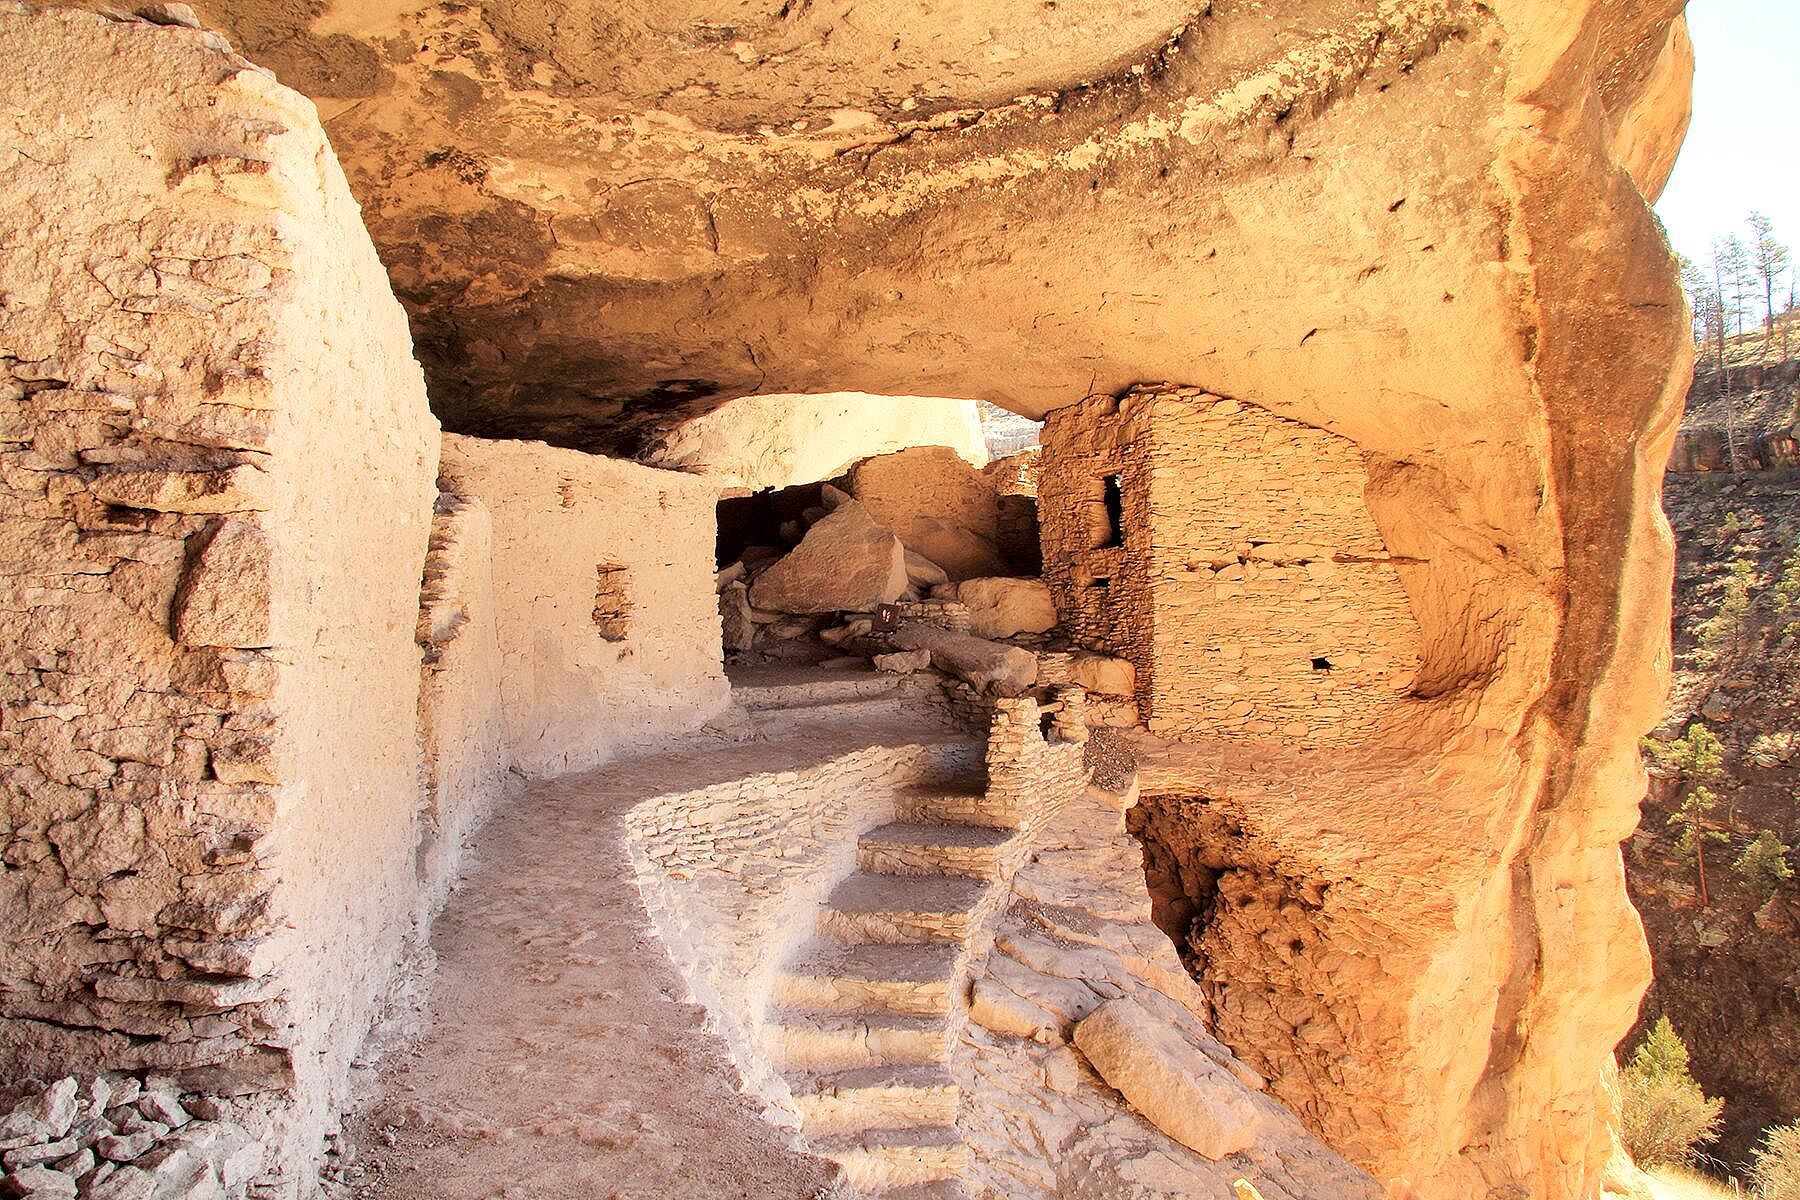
(1003, 607)
(1172, 1083)
(845, 563)
(224, 598)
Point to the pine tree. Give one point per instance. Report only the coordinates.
(1768, 259)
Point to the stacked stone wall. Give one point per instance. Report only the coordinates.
(1249, 586)
(214, 523)
(604, 603)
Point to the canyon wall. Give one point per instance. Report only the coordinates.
(210, 729)
(780, 441)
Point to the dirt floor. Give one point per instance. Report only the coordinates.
(559, 1058)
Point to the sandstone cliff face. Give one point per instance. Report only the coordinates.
(1419, 226)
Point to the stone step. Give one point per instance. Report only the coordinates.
(963, 803)
(921, 848)
(879, 1160)
(835, 977)
(865, 1097)
(901, 908)
(828, 1040)
(774, 723)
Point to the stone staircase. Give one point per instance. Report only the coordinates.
(863, 1017)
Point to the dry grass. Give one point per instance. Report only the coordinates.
(1679, 1183)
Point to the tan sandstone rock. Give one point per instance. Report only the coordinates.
(1001, 607)
(845, 563)
(224, 598)
(1173, 1084)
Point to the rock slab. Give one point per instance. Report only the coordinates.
(989, 666)
(1170, 1082)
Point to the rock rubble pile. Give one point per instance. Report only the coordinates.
(119, 1136)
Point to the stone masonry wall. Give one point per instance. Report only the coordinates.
(607, 618)
(1250, 586)
(208, 713)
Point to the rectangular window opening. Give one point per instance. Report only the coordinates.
(1115, 513)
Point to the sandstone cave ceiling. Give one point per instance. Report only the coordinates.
(606, 217)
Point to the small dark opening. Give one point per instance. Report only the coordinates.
(1115, 512)
(1321, 664)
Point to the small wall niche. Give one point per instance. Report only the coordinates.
(612, 601)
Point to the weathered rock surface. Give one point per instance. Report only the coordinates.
(1002, 607)
(845, 563)
(1103, 675)
(937, 504)
(1176, 1087)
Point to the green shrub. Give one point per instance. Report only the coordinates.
(1664, 1115)
(1775, 1167)
(1763, 865)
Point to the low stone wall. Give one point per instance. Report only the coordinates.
(733, 875)
(604, 603)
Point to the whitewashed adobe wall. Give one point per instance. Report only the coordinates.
(607, 619)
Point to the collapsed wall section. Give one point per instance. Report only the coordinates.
(217, 464)
(604, 604)
(1230, 555)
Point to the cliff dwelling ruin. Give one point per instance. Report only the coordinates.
(528, 673)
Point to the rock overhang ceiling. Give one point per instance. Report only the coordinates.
(604, 219)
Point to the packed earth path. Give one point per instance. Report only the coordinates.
(559, 1056)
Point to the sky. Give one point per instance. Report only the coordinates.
(1742, 151)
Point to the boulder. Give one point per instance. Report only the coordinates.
(1103, 675)
(961, 552)
(989, 666)
(1171, 1082)
(922, 573)
(845, 563)
(1001, 607)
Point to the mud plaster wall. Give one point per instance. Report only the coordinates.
(465, 764)
(208, 609)
(1241, 572)
(607, 619)
(733, 874)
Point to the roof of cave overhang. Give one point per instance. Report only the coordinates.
(604, 220)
